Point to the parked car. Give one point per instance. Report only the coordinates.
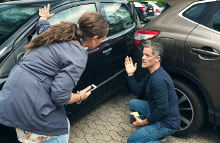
(157, 7)
(190, 33)
(105, 66)
(145, 12)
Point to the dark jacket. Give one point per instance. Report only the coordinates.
(37, 89)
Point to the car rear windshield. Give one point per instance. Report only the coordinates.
(159, 4)
(13, 18)
(144, 5)
(137, 4)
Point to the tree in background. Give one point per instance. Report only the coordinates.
(160, 1)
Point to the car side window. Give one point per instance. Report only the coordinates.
(118, 16)
(13, 18)
(197, 12)
(72, 14)
(148, 5)
(216, 21)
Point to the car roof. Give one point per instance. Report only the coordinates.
(32, 2)
(172, 2)
(52, 2)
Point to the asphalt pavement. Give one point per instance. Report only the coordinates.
(109, 122)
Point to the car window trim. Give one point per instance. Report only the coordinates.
(120, 33)
(114, 36)
(71, 5)
(215, 31)
(194, 3)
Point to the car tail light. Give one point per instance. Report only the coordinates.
(143, 9)
(142, 35)
(158, 10)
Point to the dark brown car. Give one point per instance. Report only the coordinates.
(190, 34)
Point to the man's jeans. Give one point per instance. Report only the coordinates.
(148, 133)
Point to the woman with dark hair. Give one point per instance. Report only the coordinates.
(33, 97)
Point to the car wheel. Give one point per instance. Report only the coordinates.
(191, 108)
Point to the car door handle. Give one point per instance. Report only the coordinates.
(205, 52)
(107, 52)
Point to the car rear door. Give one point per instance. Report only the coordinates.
(122, 37)
(202, 52)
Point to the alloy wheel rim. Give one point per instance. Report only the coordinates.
(186, 110)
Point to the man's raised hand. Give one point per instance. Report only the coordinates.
(129, 66)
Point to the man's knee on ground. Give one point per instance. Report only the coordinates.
(130, 140)
(132, 103)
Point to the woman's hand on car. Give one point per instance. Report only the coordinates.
(85, 93)
(80, 96)
(129, 66)
(44, 13)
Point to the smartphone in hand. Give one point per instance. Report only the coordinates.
(93, 87)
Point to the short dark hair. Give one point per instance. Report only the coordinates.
(156, 48)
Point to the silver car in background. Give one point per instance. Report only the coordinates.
(158, 7)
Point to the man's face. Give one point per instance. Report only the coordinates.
(148, 59)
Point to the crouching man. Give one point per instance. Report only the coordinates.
(160, 106)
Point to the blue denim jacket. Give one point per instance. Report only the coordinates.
(37, 89)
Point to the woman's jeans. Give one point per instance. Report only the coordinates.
(148, 133)
(62, 138)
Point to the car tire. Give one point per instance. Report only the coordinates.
(191, 108)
